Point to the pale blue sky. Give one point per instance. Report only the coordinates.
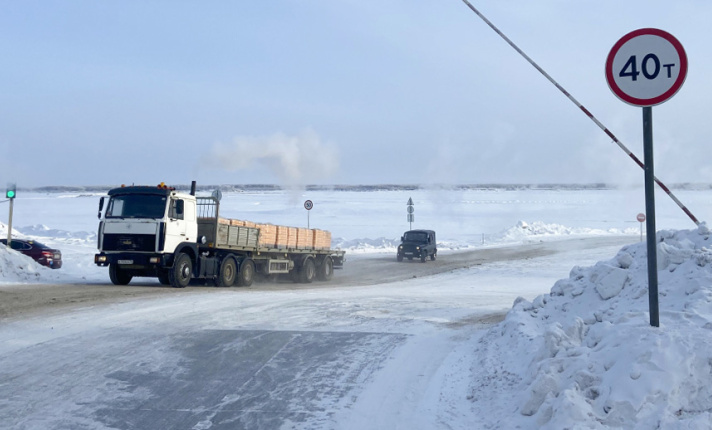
(335, 92)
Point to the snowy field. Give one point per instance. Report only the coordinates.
(574, 351)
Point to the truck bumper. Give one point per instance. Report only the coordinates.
(133, 260)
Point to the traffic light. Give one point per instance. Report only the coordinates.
(11, 191)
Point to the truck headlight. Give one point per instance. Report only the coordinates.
(154, 260)
(100, 259)
(417, 248)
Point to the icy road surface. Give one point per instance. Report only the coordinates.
(365, 351)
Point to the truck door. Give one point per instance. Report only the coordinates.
(176, 225)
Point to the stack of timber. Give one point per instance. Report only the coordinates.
(322, 239)
(271, 236)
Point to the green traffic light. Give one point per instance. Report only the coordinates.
(10, 194)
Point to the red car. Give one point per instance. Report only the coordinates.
(39, 252)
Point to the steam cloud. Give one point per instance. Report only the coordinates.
(295, 160)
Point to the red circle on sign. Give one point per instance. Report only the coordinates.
(657, 99)
(641, 217)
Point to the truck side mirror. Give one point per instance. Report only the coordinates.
(402, 238)
(101, 206)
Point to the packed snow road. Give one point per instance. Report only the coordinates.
(384, 345)
(358, 270)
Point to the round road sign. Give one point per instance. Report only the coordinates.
(641, 217)
(308, 205)
(646, 67)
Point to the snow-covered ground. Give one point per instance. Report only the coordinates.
(575, 350)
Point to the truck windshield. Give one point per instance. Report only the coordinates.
(136, 206)
(416, 237)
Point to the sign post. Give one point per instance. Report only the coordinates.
(10, 193)
(308, 205)
(645, 68)
(411, 213)
(641, 220)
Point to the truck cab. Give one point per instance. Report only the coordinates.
(417, 244)
(142, 228)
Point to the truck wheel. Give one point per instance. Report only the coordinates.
(118, 275)
(247, 273)
(326, 270)
(228, 273)
(423, 256)
(181, 272)
(432, 256)
(399, 257)
(308, 271)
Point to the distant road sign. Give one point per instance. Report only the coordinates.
(308, 205)
(646, 67)
(641, 217)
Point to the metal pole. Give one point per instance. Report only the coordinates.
(650, 216)
(9, 226)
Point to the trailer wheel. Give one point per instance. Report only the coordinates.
(247, 273)
(432, 256)
(228, 273)
(423, 256)
(181, 272)
(326, 269)
(118, 275)
(307, 272)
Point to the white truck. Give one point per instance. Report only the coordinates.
(156, 231)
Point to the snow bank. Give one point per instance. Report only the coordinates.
(18, 268)
(524, 231)
(586, 354)
(42, 231)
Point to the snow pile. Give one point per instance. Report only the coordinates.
(18, 268)
(521, 233)
(41, 230)
(365, 245)
(586, 354)
(526, 231)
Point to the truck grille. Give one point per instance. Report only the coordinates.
(130, 242)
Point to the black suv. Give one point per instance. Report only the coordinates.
(419, 244)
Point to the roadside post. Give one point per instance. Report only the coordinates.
(411, 212)
(10, 193)
(646, 67)
(641, 220)
(308, 205)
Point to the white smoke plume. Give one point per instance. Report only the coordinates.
(295, 160)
